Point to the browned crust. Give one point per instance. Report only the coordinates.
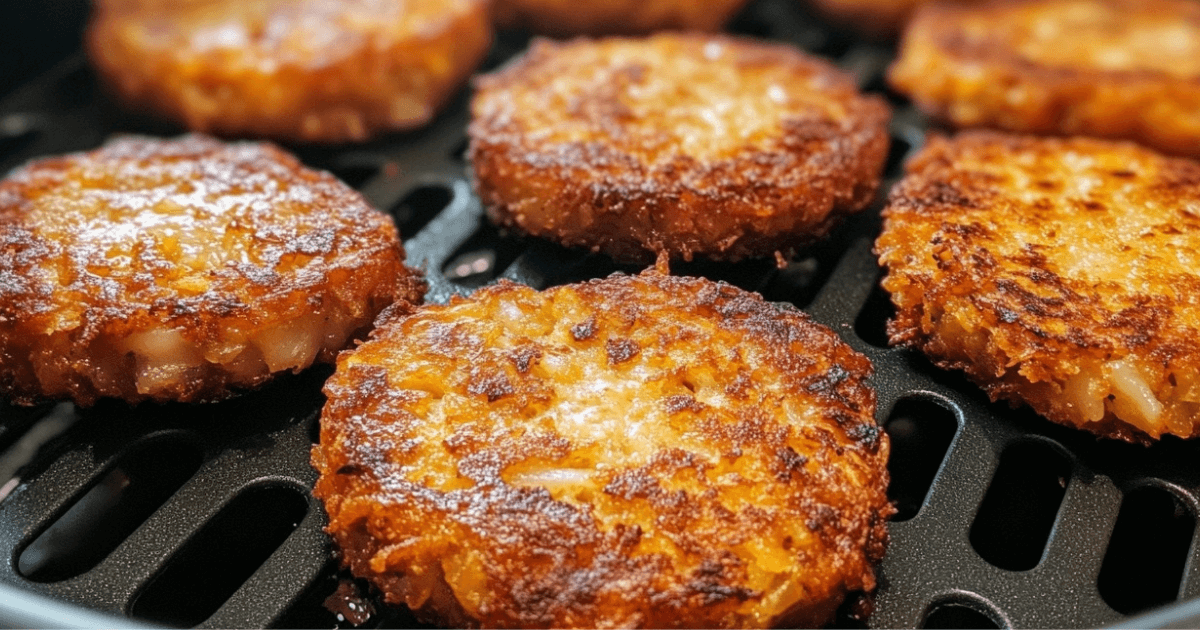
(978, 240)
(563, 18)
(976, 78)
(308, 71)
(629, 194)
(300, 241)
(657, 543)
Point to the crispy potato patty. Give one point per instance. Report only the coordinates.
(1126, 69)
(647, 450)
(613, 17)
(178, 269)
(297, 70)
(685, 144)
(1059, 273)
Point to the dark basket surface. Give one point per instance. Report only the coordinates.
(202, 515)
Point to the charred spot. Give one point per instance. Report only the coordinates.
(351, 469)
(494, 385)
(1122, 173)
(524, 357)
(788, 461)
(710, 581)
(866, 433)
(1094, 206)
(675, 404)
(584, 330)
(945, 194)
(822, 516)
(633, 484)
(621, 350)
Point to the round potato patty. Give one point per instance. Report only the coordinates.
(613, 17)
(294, 70)
(179, 269)
(679, 144)
(648, 451)
(1125, 69)
(1059, 273)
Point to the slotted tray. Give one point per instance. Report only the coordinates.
(202, 515)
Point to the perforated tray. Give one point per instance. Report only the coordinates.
(201, 515)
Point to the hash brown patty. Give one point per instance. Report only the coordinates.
(649, 451)
(1062, 273)
(679, 144)
(294, 70)
(1125, 69)
(613, 17)
(183, 269)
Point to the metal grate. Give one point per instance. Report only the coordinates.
(201, 515)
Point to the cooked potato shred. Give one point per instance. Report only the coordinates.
(183, 270)
(647, 451)
(294, 70)
(1058, 273)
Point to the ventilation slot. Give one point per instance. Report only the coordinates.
(483, 257)
(1144, 563)
(957, 616)
(221, 557)
(116, 505)
(921, 431)
(1014, 521)
(420, 206)
(459, 151)
(871, 323)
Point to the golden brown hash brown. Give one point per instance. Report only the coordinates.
(613, 17)
(178, 269)
(648, 451)
(1127, 69)
(1059, 273)
(298, 70)
(686, 144)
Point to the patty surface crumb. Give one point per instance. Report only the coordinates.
(1061, 273)
(292, 70)
(183, 270)
(648, 451)
(1123, 69)
(692, 145)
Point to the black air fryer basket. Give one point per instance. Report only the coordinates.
(201, 515)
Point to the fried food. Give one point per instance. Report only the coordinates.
(1058, 273)
(685, 144)
(648, 451)
(1127, 69)
(182, 270)
(613, 17)
(294, 70)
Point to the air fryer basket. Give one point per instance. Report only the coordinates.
(201, 515)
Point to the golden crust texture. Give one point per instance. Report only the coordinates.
(613, 17)
(1126, 69)
(1059, 273)
(178, 269)
(647, 451)
(299, 70)
(685, 144)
